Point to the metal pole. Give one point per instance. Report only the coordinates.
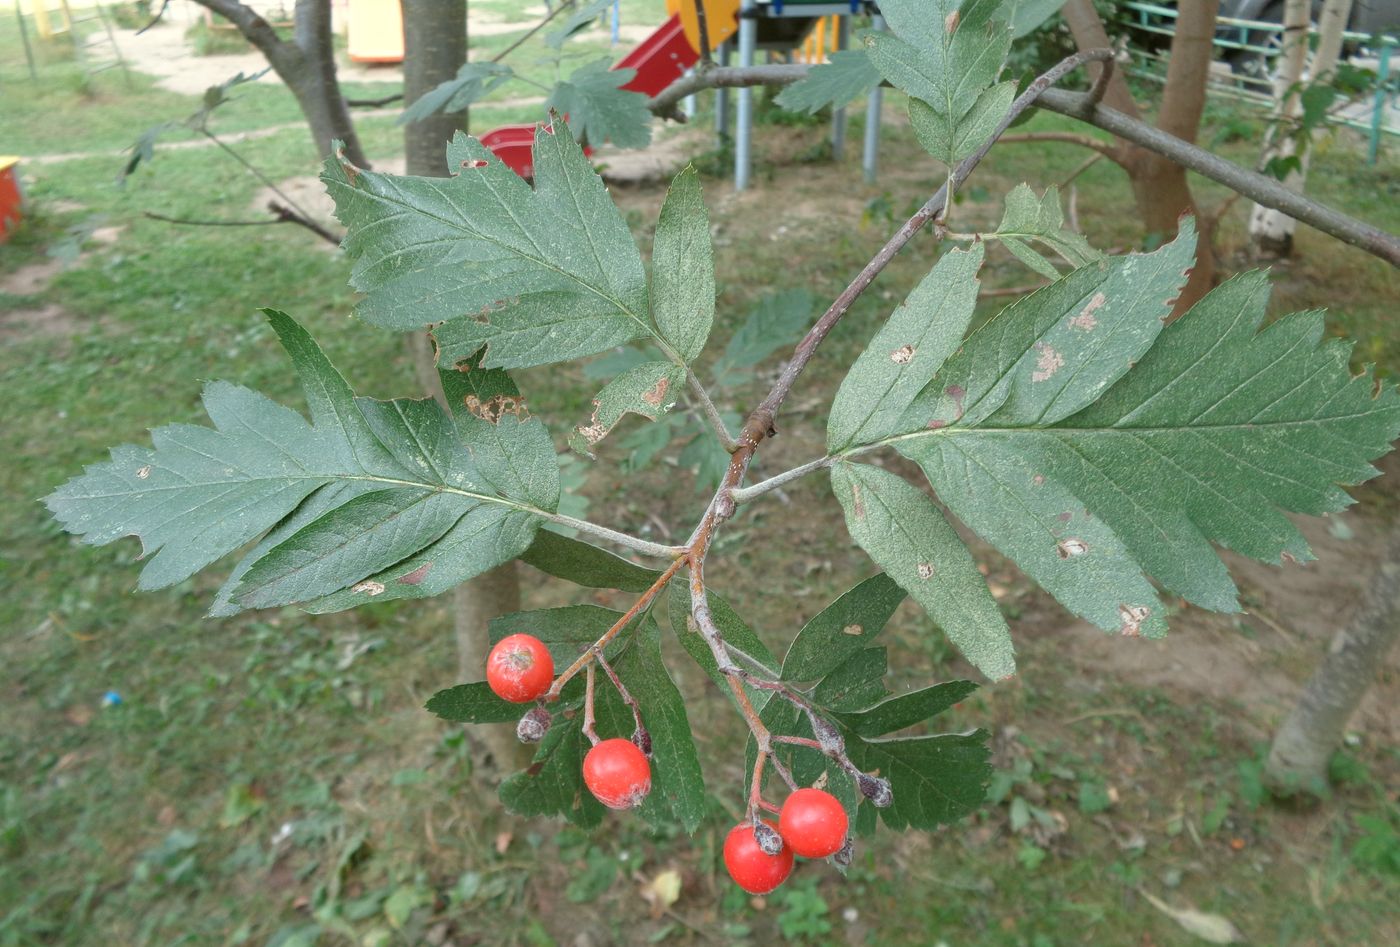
(722, 98)
(1378, 109)
(24, 35)
(616, 20)
(748, 41)
(688, 103)
(838, 117)
(870, 157)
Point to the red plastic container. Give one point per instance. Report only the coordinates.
(11, 198)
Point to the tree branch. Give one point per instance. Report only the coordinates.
(1084, 141)
(1257, 187)
(724, 77)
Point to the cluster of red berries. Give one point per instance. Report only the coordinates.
(519, 669)
(812, 823)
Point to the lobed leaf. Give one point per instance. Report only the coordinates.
(371, 500)
(599, 109)
(1030, 218)
(537, 275)
(848, 74)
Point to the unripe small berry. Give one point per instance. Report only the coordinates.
(876, 790)
(813, 823)
(533, 726)
(750, 866)
(617, 774)
(519, 668)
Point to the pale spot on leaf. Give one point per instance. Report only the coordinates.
(1069, 548)
(1048, 362)
(925, 570)
(368, 587)
(1132, 616)
(853, 630)
(1086, 320)
(144, 472)
(902, 355)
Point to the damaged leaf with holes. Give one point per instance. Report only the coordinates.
(367, 501)
(1099, 448)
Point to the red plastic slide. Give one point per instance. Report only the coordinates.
(660, 59)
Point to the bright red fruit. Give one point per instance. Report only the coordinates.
(519, 668)
(751, 868)
(617, 774)
(813, 823)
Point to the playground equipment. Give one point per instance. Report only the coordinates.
(375, 31)
(776, 26)
(11, 198)
(51, 21)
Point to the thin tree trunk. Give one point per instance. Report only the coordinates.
(307, 66)
(1271, 231)
(1160, 188)
(435, 46)
(1314, 728)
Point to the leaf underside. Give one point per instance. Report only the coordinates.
(369, 501)
(1100, 449)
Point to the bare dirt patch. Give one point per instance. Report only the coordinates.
(47, 320)
(31, 278)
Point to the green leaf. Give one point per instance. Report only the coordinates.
(371, 532)
(951, 138)
(552, 785)
(566, 631)
(649, 390)
(906, 352)
(856, 684)
(776, 321)
(736, 633)
(599, 109)
(510, 448)
(474, 81)
(849, 74)
(474, 703)
(678, 785)
(578, 20)
(936, 779)
(585, 565)
(906, 534)
(1055, 351)
(537, 275)
(386, 481)
(1029, 218)
(946, 55)
(905, 710)
(1216, 432)
(1026, 16)
(683, 268)
(843, 628)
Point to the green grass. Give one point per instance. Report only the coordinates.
(272, 773)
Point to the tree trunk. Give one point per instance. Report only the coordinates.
(435, 46)
(307, 66)
(1160, 188)
(1314, 728)
(1271, 231)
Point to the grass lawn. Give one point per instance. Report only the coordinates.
(272, 778)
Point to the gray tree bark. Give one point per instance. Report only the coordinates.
(306, 65)
(1313, 730)
(435, 46)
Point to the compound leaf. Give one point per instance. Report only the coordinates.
(648, 390)
(1040, 219)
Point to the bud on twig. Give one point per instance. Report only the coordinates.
(767, 838)
(845, 855)
(827, 735)
(533, 726)
(641, 739)
(875, 789)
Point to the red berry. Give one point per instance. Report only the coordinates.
(617, 774)
(751, 868)
(519, 668)
(813, 823)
